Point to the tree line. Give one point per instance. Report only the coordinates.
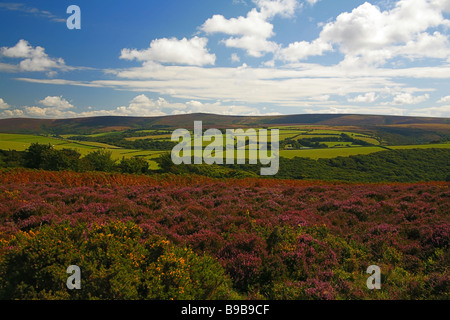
(45, 157)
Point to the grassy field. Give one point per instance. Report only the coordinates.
(345, 152)
(423, 146)
(155, 137)
(329, 152)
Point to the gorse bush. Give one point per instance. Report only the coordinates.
(116, 261)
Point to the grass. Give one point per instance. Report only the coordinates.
(423, 146)
(329, 152)
(154, 137)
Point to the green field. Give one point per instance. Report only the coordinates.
(345, 152)
(329, 152)
(423, 146)
(155, 137)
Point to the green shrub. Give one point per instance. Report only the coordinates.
(116, 261)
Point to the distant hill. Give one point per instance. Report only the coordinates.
(113, 123)
(398, 129)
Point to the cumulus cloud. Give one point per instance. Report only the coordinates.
(251, 33)
(271, 8)
(53, 107)
(33, 58)
(143, 106)
(235, 57)
(369, 36)
(3, 104)
(303, 49)
(343, 109)
(218, 108)
(442, 111)
(16, 113)
(443, 5)
(408, 98)
(139, 106)
(444, 100)
(254, 24)
(174, 51)
(366, 98)
(56, 102)
(374, 36)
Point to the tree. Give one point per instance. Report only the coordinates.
(133, 165)
(165, 162)
(34, 154)
(11, 159)
(99, 160)
(66, 159)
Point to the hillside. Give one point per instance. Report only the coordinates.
(394, 130)
(111, 123)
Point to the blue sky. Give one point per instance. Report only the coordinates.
(239, 57)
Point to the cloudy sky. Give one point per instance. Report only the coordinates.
(238, 57)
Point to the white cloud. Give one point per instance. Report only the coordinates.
(444, 100)
(254, 24)
(366, 27)
(425, 45)
(39, 112)
(11, 113)
(56, 102)
(367, 98)
(343, 109)
(271, 8)
(3, 104)
(255, 47)
(368, 35)
(235, 57)
(140, 106)
(322, 98)
(143, 106)
(292, 85)
(34, 58)
(408, 98)
(173, 51)
(219, 108)
(442, 111)
(443, 5)
(251, 33)
(301, 50)
(20, 7)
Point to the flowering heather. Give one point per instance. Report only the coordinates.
(275, 239)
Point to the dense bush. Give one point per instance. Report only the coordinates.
(116, 262)
(413, 165)
(44, 156)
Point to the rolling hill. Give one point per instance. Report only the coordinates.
(393, 129)
(111, 123)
